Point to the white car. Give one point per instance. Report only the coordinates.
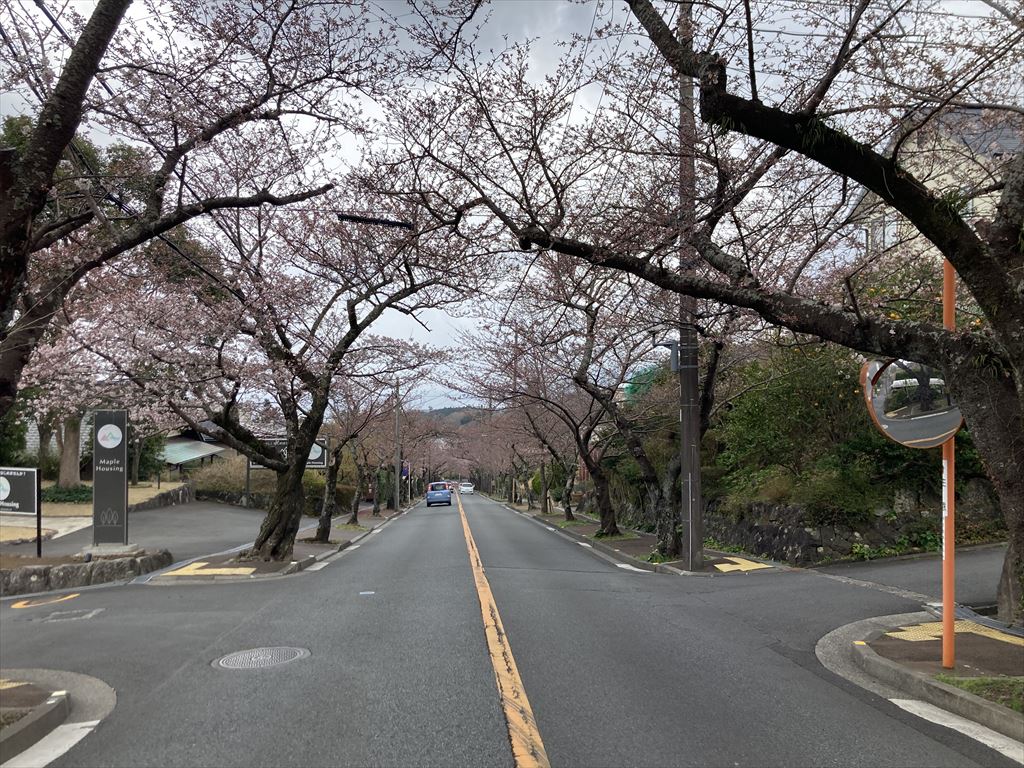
(465, 488)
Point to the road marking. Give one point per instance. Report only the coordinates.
(1004, 745)
(585, 544)
(739, 564)
(53, 745)
(932, 630)
(44, 601)
(628, 567)
(76, 615)
(318, 566)
(527, 746)
(367, 593)
(199, 568)
(6, 684)
(549, 527)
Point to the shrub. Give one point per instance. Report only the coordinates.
(228, 477)
(81, 494)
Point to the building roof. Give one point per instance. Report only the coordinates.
(179, 450)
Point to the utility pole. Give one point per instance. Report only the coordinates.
(398, 454)
(691, 509)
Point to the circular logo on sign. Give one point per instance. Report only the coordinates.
(109, 436)
(315, 452)
(5, 488)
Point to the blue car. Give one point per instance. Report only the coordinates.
(438, 493)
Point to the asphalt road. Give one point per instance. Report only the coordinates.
(977, 574)
(621, 668)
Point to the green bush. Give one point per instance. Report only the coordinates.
(836, 496)
(81, 494)
(228, 476)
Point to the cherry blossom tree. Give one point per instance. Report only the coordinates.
(810, 125)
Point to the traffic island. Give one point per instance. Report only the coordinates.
(27, 713)
(230, 566)
(21, 575)
(989, 662)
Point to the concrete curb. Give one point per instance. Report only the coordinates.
(34, 579)
(919, 685)
(613, 553)
(292, 568)
(18, 737)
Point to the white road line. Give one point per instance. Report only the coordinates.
(318, 566)
(584, 544)
(53, 745)
(549, 527)
(628, 567)
(1004, 745)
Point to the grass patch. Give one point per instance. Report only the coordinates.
(1008, 691)
(618, 537)
(11, 716)
(347, 527)
(569, 523)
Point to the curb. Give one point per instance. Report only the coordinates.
(917, 684)
(292, 568)
(18, 737)
(613, 553)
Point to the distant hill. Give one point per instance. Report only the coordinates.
(458, 415)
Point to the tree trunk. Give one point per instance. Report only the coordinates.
(570, 483)
(276, 538)
(994, 411)
(136, 461)
(358, 492)
(544, 510)
(70, 453)
(45, 438)
(603, 500)
(323, 528)
(376, 493)
(666, 506)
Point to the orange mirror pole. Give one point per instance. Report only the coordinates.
(948, 494)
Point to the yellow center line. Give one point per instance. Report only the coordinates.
(527, 747)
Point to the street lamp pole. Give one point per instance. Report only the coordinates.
(398, 453)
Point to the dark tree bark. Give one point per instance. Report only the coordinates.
(570, 484)
(70, 441)
(45, 429)
(327, 509)
(376, 493)
(358, 491)
(276, 538)
(137, 460)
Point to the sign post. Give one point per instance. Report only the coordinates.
(948, 494)
(910, 404)
(20, 491)
(110, 478)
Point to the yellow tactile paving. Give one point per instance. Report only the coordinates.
(933, 631)
(199, 569)
(739, 564)
(8, 684)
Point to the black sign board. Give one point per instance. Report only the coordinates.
(19, 491)
(317, 454)
(110, 478)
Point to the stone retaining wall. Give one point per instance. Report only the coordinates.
(29, 579)
(183, 494)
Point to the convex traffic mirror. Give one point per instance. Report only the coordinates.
(909, 402)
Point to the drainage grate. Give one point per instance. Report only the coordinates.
(261, 658)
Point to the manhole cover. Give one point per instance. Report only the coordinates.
(260, 658)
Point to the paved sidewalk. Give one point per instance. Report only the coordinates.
(986, 686)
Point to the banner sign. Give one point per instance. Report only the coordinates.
(19, 489)
(110, 477)
(317, 454)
